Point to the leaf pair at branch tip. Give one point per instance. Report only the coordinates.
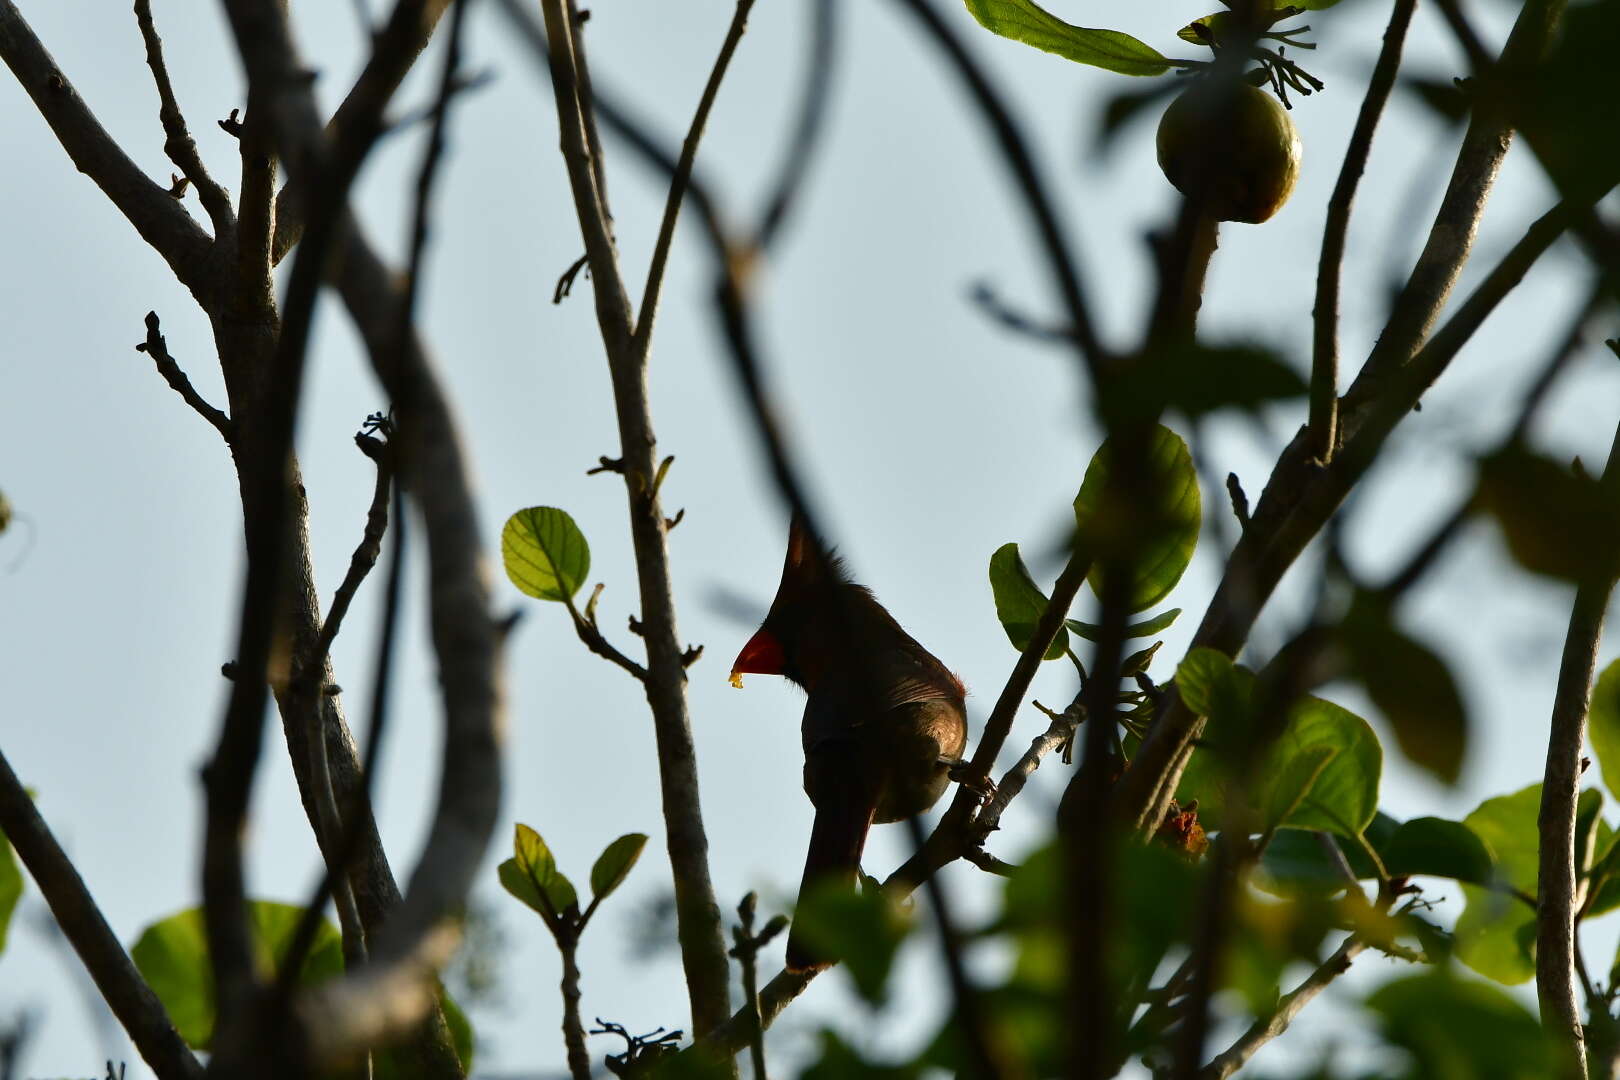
(532, 875)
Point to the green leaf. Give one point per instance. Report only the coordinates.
(1412, 687)
(172, 956)
(1604, 722)
(1023, 20)
(1568, 109)
(546, 555)
(1378, 834)
(1197, 677)
(1462, 1028)
(615, 862)
(1435, 847)
(1197, 379)
(1299, 863)
(1125, 106)
(1589, 826)
(1212, 25)
(1145, 628)
(1321, 773)
(1343, 797)
(1556, 521)
(11, 886)
(532, 876)
(1497, 929)
(1020, 602)
(840, 1061)
(1152, 523)
(863, 929)
(1443, 96)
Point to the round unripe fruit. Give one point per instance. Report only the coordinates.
(1231, 147)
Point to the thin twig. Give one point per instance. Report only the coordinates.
(395, 47)
(1060, 260)
(1060, 731)
(177, 142)
(746, 952)
(125, 992)
(821, 62)
(432, 157)
(642, 336)
(158, 349)
(579, 1062)
(987, 1056)
(1529, 407)
(341, 843)
(1325, 355)
(1558, 880)
(1288, 1007)
(162, 222)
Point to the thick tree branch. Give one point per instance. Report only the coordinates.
(177, 140)
(1451, 237)
(161, 221)
(121, 986)
(1558, 880)
(1325, 353)
(1299, 499)
(397, 987)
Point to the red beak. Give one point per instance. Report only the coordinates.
(761, 656)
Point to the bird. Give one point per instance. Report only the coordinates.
(885, 722)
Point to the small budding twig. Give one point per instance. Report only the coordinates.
(745, 952)
(158, 349)
(1240, 500)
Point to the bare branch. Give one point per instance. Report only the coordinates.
(988, 1055)
(155, 347)
(396, 988)
(394, 51)
(698, 920)
(1264, 1030)
(1558, 880)
(178, 143)
(1325, 357)
(125, 992)
(1060, 731)
(161, 221)
(820, 63)
(683, 176)
(591, 635)
(1060, 261)
(1451, 237)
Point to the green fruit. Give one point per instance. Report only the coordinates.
(1231, 147)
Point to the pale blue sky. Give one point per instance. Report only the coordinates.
(931, 436)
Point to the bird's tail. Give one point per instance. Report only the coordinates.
(836, 841)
